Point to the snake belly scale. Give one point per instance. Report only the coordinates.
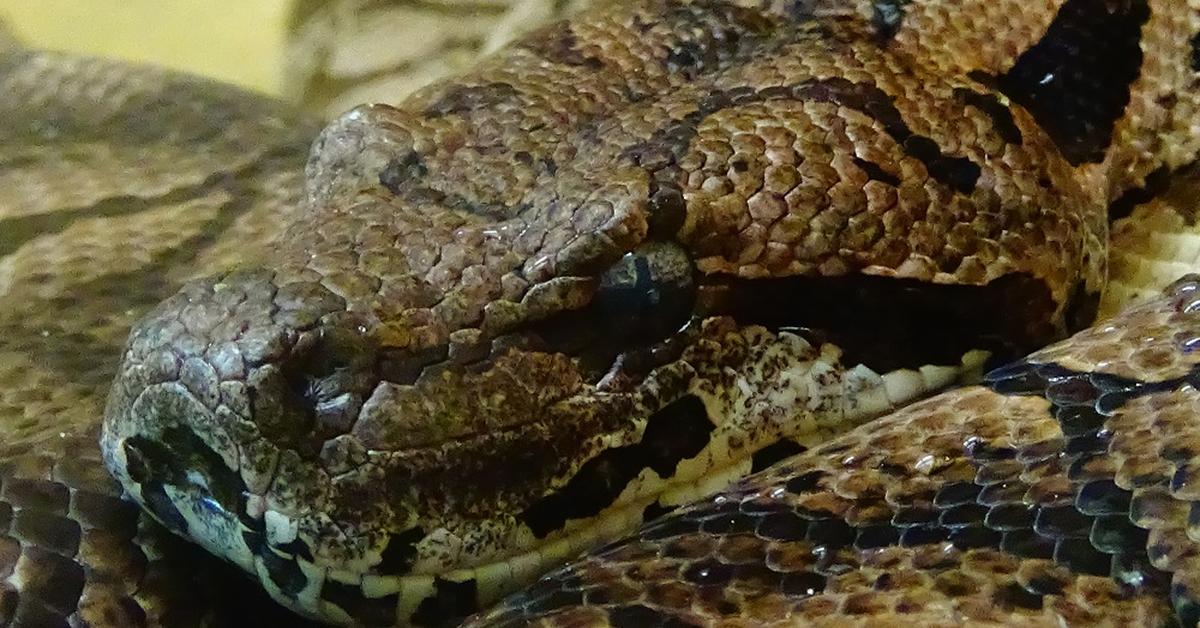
(628, 260)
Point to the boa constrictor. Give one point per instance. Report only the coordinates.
(630, 259)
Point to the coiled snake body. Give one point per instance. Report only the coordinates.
(630, 259)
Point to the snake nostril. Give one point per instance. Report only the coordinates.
(327, 378)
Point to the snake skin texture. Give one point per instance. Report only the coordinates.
(117, 183)
(628, 260)
(1058, 492)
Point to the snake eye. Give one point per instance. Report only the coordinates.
(647, 294)
(640, 300)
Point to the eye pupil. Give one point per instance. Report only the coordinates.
(649, 293)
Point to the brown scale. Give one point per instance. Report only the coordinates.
(400, 368)
(443, 240)
(1023, 501)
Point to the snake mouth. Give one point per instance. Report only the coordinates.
(177, 466)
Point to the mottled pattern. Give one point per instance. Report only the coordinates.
(104, 209)
(1047, 495)
(628, 260)
(535, 306)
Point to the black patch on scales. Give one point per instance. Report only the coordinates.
(1076, 79)
(1002, 119)
(678, 431)
(451, 602)
(888, 323)
(1196, 52)
(401, 551)
(887, 16)
(367, 611)
(769, 455)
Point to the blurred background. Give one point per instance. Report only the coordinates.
(328, 55)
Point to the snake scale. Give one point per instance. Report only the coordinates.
(559, 305)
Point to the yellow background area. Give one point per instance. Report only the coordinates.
(240, 41)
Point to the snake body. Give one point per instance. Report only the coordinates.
(628, 260)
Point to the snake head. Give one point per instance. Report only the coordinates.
(511, 327)
(368, 463)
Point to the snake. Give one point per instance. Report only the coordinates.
(629, 325)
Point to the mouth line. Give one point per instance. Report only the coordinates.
(885, 323)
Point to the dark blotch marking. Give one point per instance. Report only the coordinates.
(958, 173)
(779, 450)
(1013, 596)
(1157, 182)
(803, 584)
(1001, 116)
(397, 558)
(254, 541)
(782, 526)
(876, 173)
(58, 585)
(831, 533)
(140, 455)
(915, 516)
(1027, 543)
(296, 547)
(1007, 517)
(923, 535)
(284, 572)
(972, 537)
(963, 516)
(678, 431)
(675, 433)
(888, 323)
(872, 537)
(1079, 556)
(1075, 80)
(559, 44)
(887, 16)
(639, 616)
(805, 483)
(380, 611)
(1113, 534)
(170, 461)
(1075, 390)
(1046, 582)
(1186, 603)
(686, 57)
(654, 510)
(728, 523)
(1196, 52)
(1078, 420)
(450, 603)
(956, 493)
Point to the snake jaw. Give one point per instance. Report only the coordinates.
(293, 442)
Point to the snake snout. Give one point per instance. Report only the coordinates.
(214, 383)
